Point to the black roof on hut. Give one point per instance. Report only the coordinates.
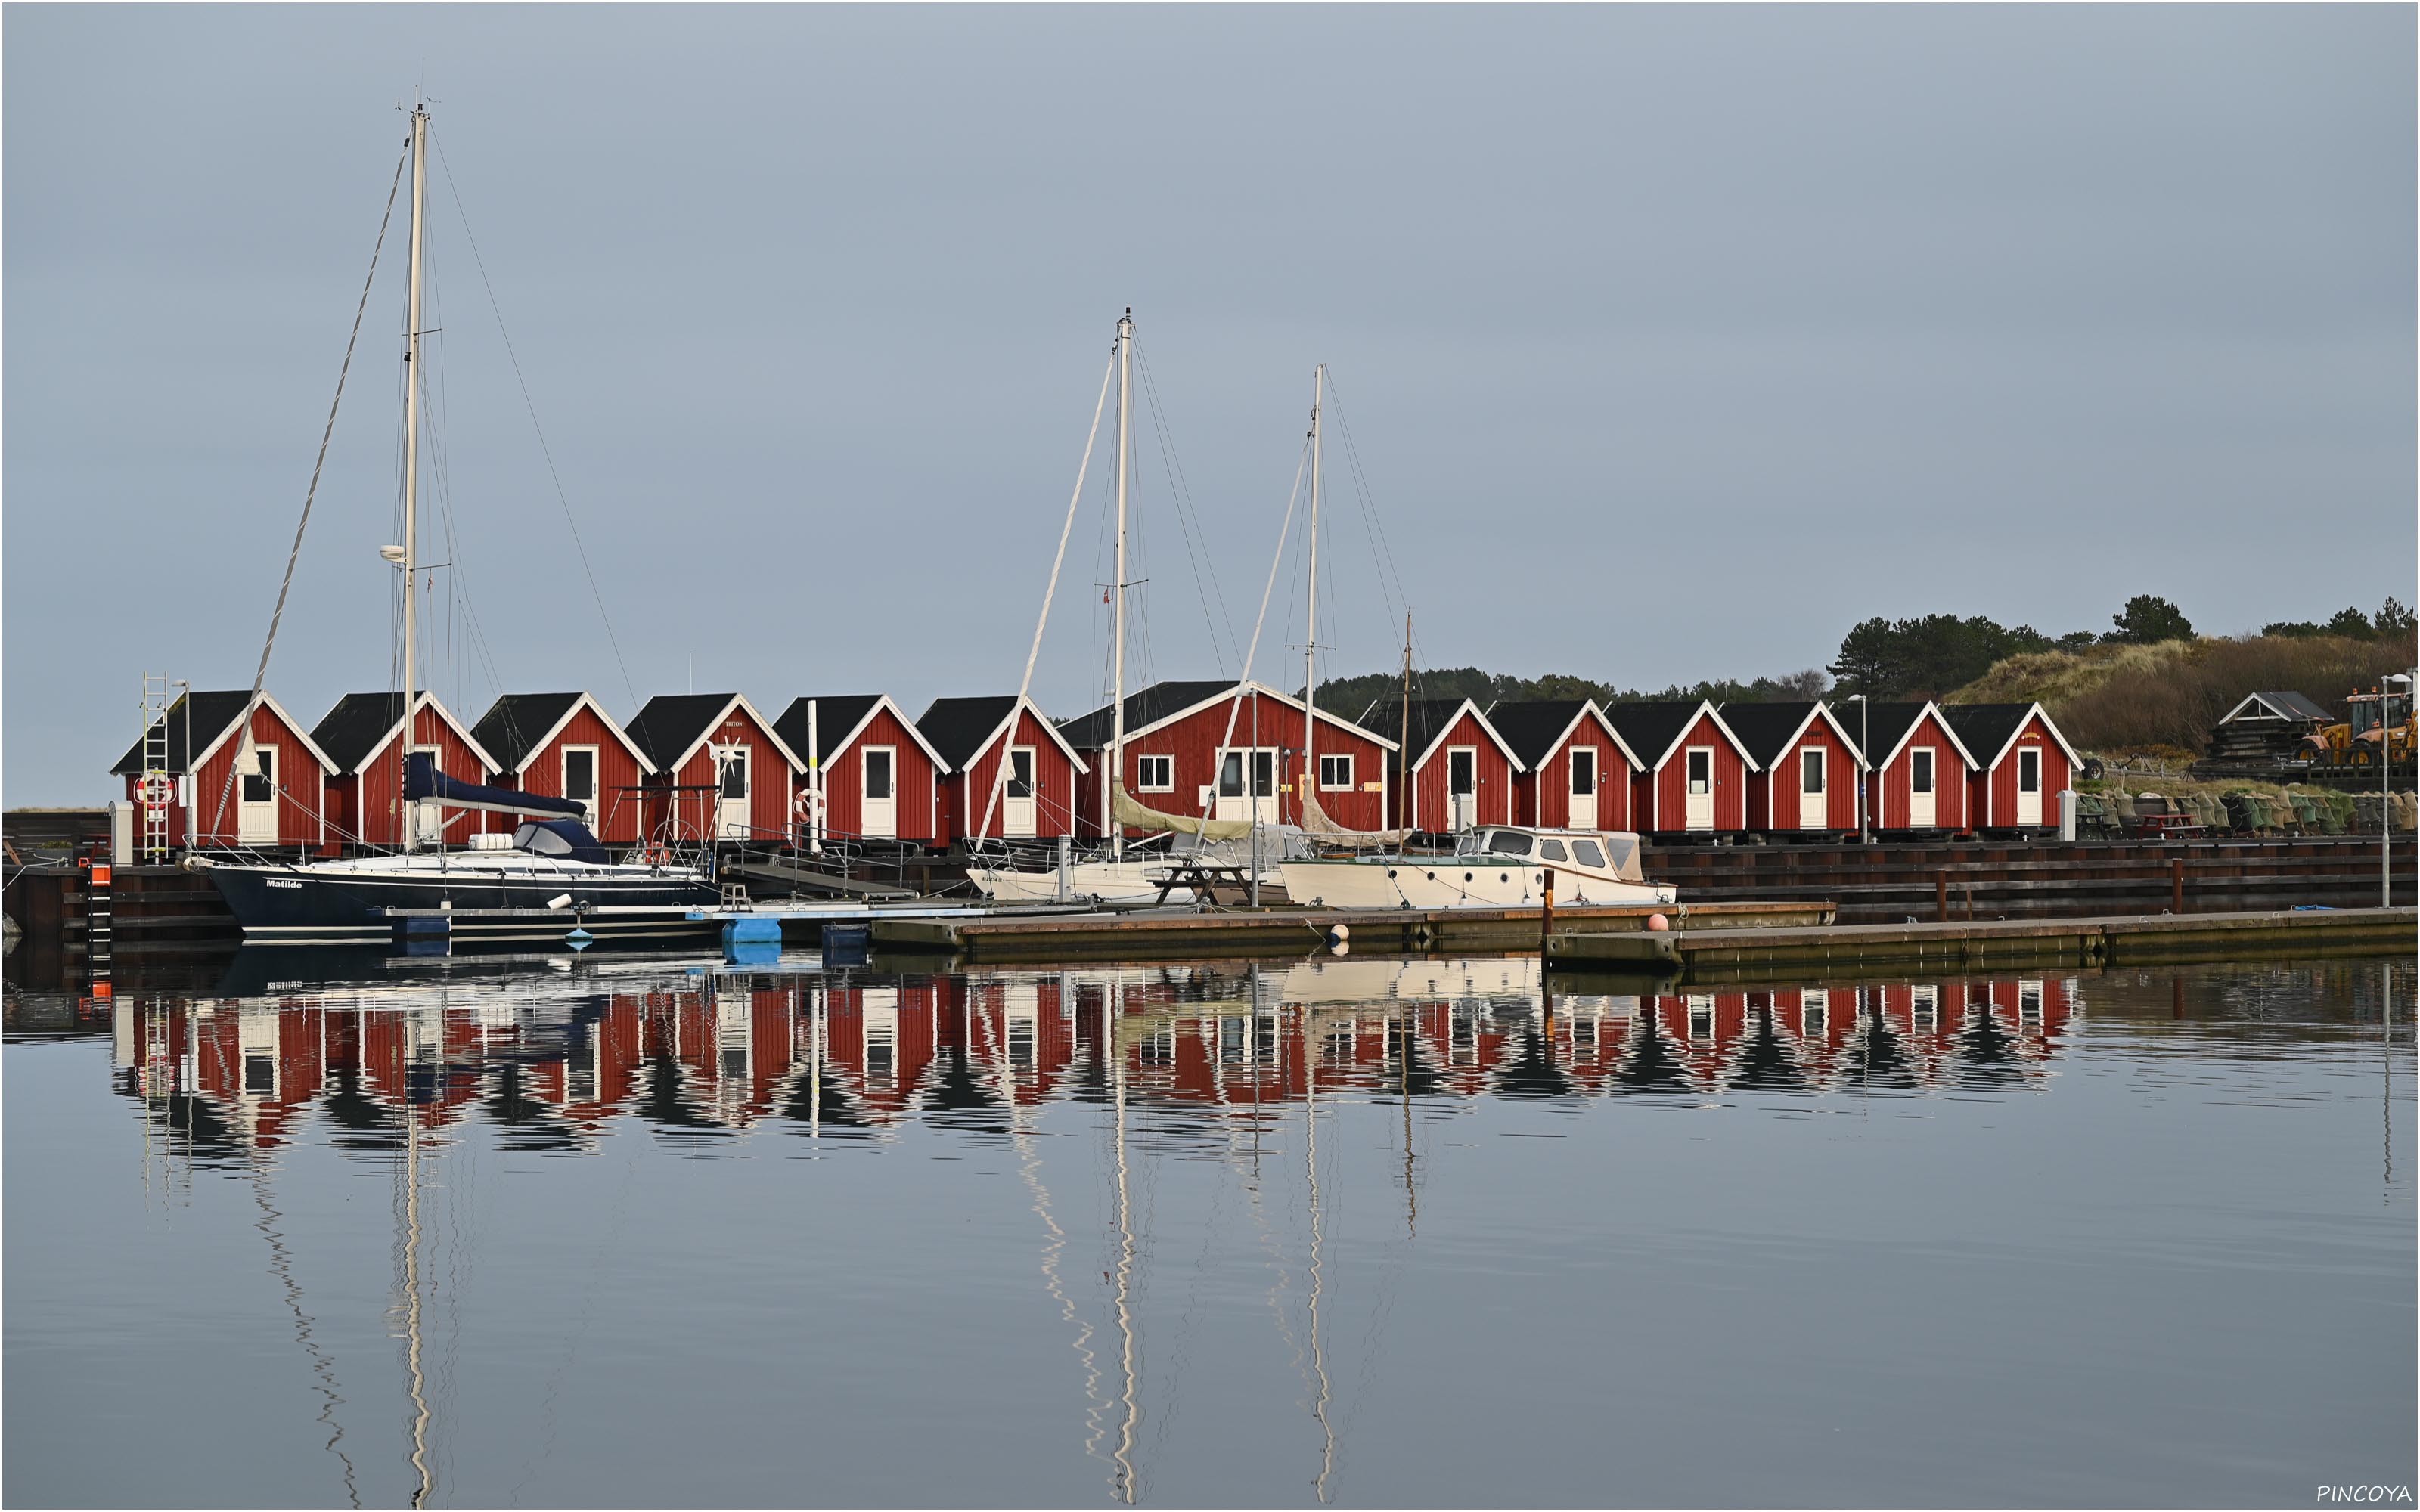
(1650, 727)
(1765, 729)
(1091, 731)
(1986, 728)
(515, 723)
(195, 722)
(836, 718)
(1880, 727)
(351, 731)
(958, 727)
(671, 722)
(1532, 729)
(1429, 719)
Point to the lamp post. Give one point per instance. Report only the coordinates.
(1865, 764)
(2386, 785)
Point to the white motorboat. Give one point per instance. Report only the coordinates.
(1501, 866)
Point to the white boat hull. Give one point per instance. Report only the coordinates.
(1454, 882)
(1102, 882)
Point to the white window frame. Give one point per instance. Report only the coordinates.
(1924, 1008)
(1822, 770)
(747, 772)
(1815, 1013)
(1166, 765)
(1702, 1003)
(1033, 774)
(1584, 754)
(1344, 786)
(1929, 760)
(2034, 751)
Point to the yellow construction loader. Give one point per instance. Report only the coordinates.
(2353, 745)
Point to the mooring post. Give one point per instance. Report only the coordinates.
(2177, 885)
(1546, 913)
(1941, 897)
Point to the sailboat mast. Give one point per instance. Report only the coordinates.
(1117, 656)
(1310, 629)
(411, 465)
(1403, 753)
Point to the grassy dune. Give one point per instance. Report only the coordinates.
(2164, 699)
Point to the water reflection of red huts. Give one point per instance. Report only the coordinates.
(727, 1051)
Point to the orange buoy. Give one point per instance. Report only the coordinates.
(1657, 923)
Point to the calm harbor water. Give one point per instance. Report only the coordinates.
(628, 1231)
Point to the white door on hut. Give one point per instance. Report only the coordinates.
(1697, 811)
(879, 815)
(255, 814)
(731, 793)
(1920, 808)
(1583, 814)
(1261, 802)
(1813, 805)
(1462, 785)
(580, 778)
(1018, 809)
(2029, 784)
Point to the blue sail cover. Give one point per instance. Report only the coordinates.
(421, 780)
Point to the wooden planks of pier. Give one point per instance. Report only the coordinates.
(1186, 936)
(1893, 883)
(1729, 954)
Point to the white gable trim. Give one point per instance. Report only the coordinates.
(2032, 713)
(646, 767)
(1446, 728)
(1236, 693)
(1933, 711)
(1705, 709)
(244, 722)
(428, 701)
(764, 726)
(1008, 723)
(882, 701)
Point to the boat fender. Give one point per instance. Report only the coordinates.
(1657, 923)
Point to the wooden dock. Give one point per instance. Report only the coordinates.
(1190, 935)
(1722, 954)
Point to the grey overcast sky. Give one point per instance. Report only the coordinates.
(1673, 341)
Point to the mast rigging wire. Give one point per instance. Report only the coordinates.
(1000, 768)
(562, 497)
(260, 674)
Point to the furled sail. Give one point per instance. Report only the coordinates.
(1136, 815)
(421, 780)
(1316, 824)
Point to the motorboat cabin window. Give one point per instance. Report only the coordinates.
(1510, 842)
(1702, 771)
(1020, 772)
(879, 771)
(1551, 850)
(1919, 770)
(1336, 774)
(1586, 853)
(1155, 774)
(2029, 770)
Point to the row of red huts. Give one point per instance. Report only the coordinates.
(245, 771)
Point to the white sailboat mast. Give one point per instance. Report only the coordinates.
(1117, 657)
(1310, 631)
(411, 462)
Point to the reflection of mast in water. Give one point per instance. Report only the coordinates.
(1029, 1161)
(1318, 1349)
(281, 1265)
(411, 1299)
(1124, 1481)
